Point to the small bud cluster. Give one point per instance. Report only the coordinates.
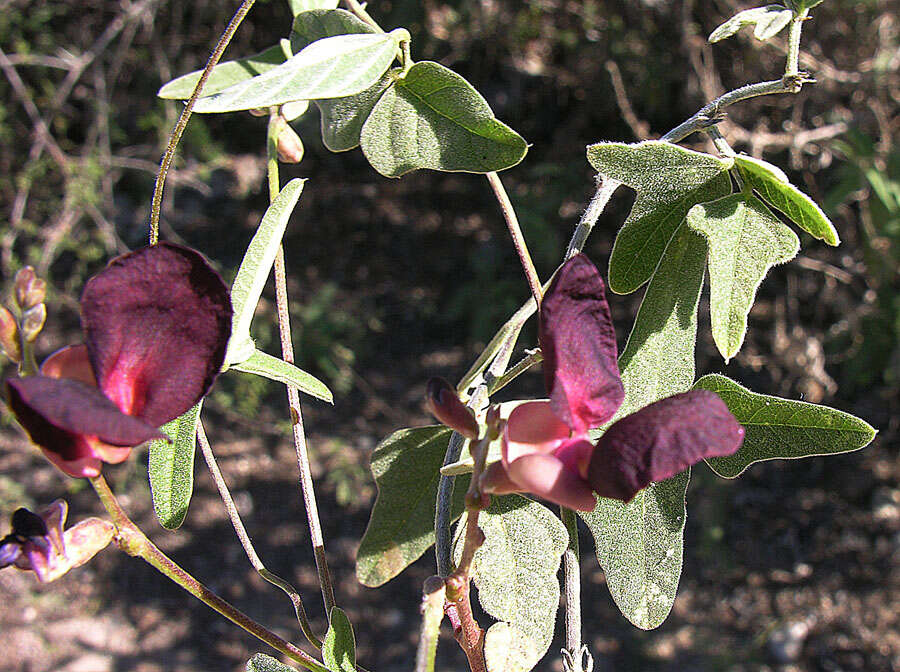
(22, 325)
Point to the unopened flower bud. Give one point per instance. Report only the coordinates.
(30, 290)
(33, 321)
(9, 336)
(494, 422)
(445, 405)
(290, 146)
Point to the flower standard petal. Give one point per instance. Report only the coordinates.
(156, 323)
(547, 476)
(67, 418)
(532, 427)
(661, 440)
(579, 347)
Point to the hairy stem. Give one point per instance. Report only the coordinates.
(246, 542)
(134, 542)
(515, 231)
(433, 595)
(276, 123)
(572, 582)
(175, 136)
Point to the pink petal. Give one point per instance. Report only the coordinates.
(157, 323)
(661, 440)
(494, 480)
(579, 347)
(547, 477)
(70, 362)
(67, 418)
(532, 427)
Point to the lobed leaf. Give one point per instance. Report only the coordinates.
(515, 573)
(669, 181)
(773, 187)
(276, 369)
(339, 646)
(343, 65)
(255, 269)
(343, 118)
(433, 118)
(782, 428)
(745, 240)
(406, 467)
(171, 468)
(640, 544)
(260, 662)
(224, 74)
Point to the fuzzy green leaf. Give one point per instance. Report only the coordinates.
(321, 23)
(339, 646)
(773, 187)
(343, 65)
(224, 75)
(273, 368)
(298, 6)
(406, 467)
(171, 468)
(433, 118)
(343, 118)
(782, 428)
(263, 663)
(640, 544)
(748, 17)
(772, 23)
(669, 181)
(515, 573)
(256, 267)
(745, 240)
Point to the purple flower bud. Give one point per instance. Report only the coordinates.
(29, 289)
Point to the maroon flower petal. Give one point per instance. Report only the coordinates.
(547, 477)
(157, 323)
(661, 440)
(70, 362)
(66, 418)
(444, 403)
(579, 347)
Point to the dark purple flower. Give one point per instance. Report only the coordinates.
(39, 543)
(546, 447)
(156, 324)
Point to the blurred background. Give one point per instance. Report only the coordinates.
(794, 566)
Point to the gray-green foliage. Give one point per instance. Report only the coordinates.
(332, 67)
(774, 188)
(669, 181)
(782, 428)
(640, 544)
(339, 645)
(171, 468)
(745, 240)
(406, 467)
(768, 21)
(224, 74)
(260, 662)
(433, 118)
(515, 573)
(298, 6)
(276, 369)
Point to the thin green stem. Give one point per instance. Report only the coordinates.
(606, 187)
(515, 231)
(433, 595)
(572, 582)
(293, 395)
(134, 542)
(520, 367)
(792, 69)
(181, 124)
(242, 535)
(359, 9)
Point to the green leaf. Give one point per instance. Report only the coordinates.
(224, 75)
(171, 467)
(640, 544)
(745, 240)
(515, 573)
(782, 428)
(406, 467)
(669, 181)
(339, 647)
(801, 5)
(276, 369)
(343, 118)
(772, 23)
(321, 23)
(255, 268)
(749, 17)
(298, 6)
(774, 188)
(343, 65)
(433, 118)
(263, 663)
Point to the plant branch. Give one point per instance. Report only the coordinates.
(135, 543)
(515, 231)
(175, 136)
(287, 353)
(433, 595)
(246, 542)
(572, 582)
